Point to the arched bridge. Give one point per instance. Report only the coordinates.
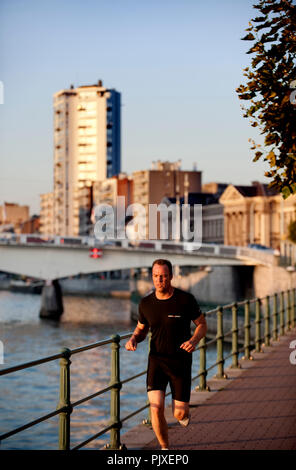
(58, 257)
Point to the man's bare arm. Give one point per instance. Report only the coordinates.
(138, 336)
(199, 333)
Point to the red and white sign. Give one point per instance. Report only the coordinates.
(95, 252)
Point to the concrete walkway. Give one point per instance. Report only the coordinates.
(254, 408)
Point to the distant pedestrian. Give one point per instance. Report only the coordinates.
(168, 312)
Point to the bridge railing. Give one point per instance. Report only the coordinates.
(274, 316)
(268, 256)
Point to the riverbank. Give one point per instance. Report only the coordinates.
(121, 289)
(94, 287)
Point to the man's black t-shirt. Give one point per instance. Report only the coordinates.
(169, 320)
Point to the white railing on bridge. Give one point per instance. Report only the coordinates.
(268, 256)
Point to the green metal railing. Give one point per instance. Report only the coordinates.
(282, 320)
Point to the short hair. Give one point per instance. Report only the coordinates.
(164, 262)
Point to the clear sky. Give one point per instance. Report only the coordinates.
(177, 64)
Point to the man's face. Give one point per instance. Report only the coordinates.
(161, 277)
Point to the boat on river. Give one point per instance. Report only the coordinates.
(29, 287)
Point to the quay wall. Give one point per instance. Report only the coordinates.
(96, 287)
(214, 285)
(88, 286)
(210, 285)
(227, 284)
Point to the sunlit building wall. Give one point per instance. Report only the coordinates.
(46, 214)
(13, 216)
(86, 148)
(256, 215)
(107, 193)
(165, 179)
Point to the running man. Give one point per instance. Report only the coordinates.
(168, 312)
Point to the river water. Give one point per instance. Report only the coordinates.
(29, 394)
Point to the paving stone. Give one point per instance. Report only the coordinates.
(255, 408)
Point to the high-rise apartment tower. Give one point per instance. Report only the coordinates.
(86, 147)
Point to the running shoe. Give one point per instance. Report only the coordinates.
(185, 421)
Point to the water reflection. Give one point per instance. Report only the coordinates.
(27, 337)
(32, 393)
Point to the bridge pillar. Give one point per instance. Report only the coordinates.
(51, 300)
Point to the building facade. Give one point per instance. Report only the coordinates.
(256, 215)
(85, 204)
(107, 192)
(164, 180)
(212, 221)
(87, 145)
(32, 225)
(46, 214)
(13, 215)
(213, 213)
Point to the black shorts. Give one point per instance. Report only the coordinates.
(176, 372)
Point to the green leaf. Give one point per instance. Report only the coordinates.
(265, 97)
(259, 19)
(270, 139)
(286, 192)
(257, 156)
(248, 37)
(272, 158)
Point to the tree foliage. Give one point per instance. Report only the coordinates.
(269, 90)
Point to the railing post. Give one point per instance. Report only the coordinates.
(258, 327)
(220, 341)
(288, 311)
(247, 326)
(64, 416)
(235, 363)
(275, 318)
(148, 421)
(282, 314)
(293, 309)
(202, 367)
(115, 396)
(267, 322)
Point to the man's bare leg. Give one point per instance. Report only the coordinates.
(180, 409)
(159, 424)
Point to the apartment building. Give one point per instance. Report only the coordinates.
(31, 226)
(46, 214)
(86, 148)
(13, 215)
(164, 180)
(108, 191)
